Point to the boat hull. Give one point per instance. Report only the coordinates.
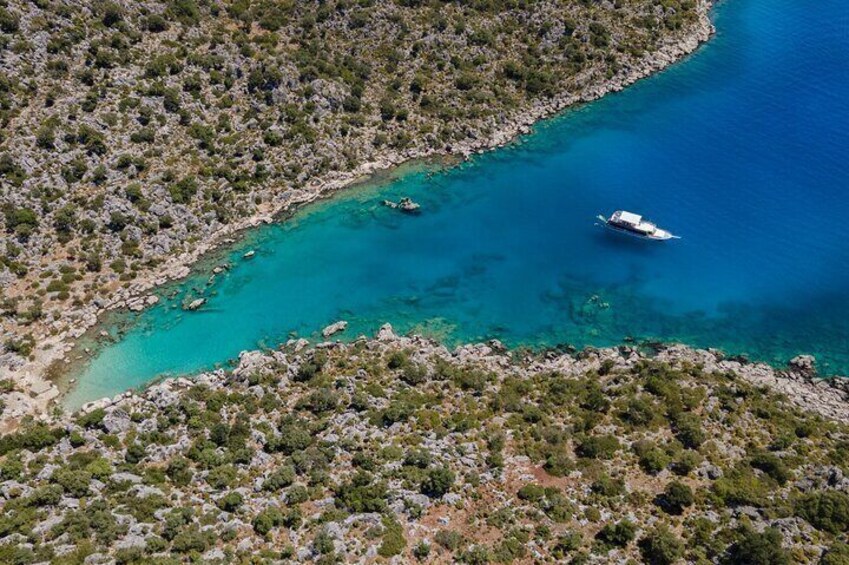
(657, 235)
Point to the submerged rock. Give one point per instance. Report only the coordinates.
(195, 304)
(406, 204)
(334, 328)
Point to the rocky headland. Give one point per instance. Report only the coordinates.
(396, 449)
(137, 137)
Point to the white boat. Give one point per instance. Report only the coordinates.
(634, 224)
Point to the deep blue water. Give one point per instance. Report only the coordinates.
(741, 149)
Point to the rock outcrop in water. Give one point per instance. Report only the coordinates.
(194, 304)
(399, 447)
(334, 328)
(137, 136)
(405, 205)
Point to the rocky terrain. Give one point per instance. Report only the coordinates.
(398, 450)
(136, 135)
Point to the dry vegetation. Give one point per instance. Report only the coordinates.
(131, 131)
(366, 451)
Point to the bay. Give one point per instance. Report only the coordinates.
(741, 149)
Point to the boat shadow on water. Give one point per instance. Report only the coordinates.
(611, 240)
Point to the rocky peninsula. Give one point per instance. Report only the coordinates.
(395, 449)
(139, 136)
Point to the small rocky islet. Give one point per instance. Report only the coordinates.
(396, 449)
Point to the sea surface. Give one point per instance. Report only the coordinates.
(742, 150)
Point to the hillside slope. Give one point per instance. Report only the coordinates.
(396, 446)
(135, 135)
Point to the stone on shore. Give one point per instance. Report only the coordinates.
(804, 366)
(386, 333)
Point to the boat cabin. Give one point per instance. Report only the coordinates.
(631, 222)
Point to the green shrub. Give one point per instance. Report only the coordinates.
(230, 502)
(179, 471)
(685, 464)
(221, 477)
(75, 483)
(421, 551)
(688, 430)
(437, 482)
(183, 190)
(418, 458)
(155, 23)
(676, 497)
(617, 535)
(414, 374)
(758, 549)
(556, 506)
(741, 487)
(296, 495)
(323, 543)
(34, 438)
(267, 520)
(531, 492)
(20, 221)
(661, 547)
(608, 487)
(12, 468)
(639, 412)
(510, 549)
(309, 369)
(566, 544)
(9, 22)
(135, 453)
(362, 494)
(449, 539)
(654, 461)
(558, 463)
(471, 379)
(293, 437)
(322, 400)
(827, 510)
(100, 469)
(192, 539)
(772, 466)
(397, 359)
(393, 539)
(186, 12)
(599, 447)
(282, 477)
(837, 554)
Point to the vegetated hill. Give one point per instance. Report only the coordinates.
(132, 131)
(397, 447)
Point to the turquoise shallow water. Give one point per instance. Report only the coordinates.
(742, 150)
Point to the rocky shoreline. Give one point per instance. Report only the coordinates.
(798, 382)
(36, 392)
(399, 448)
